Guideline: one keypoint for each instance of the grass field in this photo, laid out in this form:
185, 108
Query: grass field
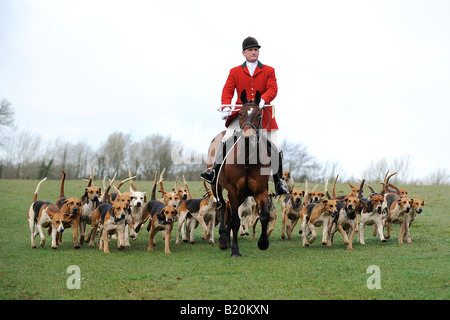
202, 271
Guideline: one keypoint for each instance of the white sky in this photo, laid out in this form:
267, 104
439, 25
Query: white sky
358, 80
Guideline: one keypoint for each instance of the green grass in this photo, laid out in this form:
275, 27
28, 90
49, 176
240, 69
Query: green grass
202, 271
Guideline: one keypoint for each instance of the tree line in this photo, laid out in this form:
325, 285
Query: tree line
25, 155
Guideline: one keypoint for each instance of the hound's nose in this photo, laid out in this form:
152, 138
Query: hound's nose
122, 216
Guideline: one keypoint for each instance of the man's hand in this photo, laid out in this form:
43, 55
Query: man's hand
261, 104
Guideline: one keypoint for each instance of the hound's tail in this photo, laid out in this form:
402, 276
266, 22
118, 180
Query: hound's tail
154, 185
326, 190
306, 193
37, 189
334, 187
360, 193
61, 189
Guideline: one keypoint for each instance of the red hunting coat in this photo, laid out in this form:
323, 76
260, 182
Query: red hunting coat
263, 80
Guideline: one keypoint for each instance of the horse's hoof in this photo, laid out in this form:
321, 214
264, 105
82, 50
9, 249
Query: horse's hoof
263, 244
236, 255
223, 246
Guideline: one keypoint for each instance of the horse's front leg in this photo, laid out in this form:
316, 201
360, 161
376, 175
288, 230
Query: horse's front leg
224, 232
264, 217
235, 224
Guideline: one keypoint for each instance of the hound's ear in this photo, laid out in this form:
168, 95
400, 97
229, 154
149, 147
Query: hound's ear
244, 97
363, 203
423, 203
257, 97
160, 215
324, 201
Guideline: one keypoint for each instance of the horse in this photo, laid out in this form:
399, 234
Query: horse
241, 174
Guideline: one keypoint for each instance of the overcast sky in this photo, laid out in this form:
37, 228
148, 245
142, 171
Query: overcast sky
358, 80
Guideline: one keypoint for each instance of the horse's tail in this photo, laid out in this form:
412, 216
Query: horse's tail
154, 185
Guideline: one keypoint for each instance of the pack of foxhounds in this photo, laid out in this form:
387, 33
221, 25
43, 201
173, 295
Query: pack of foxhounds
112, 213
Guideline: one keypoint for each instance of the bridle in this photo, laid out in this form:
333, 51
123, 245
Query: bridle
256, 128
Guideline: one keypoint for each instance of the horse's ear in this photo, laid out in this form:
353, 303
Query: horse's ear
257, 97
244, 97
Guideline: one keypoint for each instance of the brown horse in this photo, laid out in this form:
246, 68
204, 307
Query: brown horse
244, 173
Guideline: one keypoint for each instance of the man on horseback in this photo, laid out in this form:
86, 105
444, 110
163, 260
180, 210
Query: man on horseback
251, 76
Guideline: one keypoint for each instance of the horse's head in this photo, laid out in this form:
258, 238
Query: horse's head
250, 115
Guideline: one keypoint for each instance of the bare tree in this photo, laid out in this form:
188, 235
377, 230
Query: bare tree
376, 171
6, 113
438, 177
114, 150
155, 152
22, 151
6, 119
298, 162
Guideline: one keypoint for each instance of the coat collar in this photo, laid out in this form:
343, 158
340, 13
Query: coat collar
260, 65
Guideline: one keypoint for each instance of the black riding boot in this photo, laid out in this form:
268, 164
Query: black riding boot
210, 174
279, 186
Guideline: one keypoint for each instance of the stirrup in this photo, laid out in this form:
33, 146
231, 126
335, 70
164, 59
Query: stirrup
280, 189
208, 176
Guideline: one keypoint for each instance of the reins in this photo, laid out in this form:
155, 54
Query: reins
227, 108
